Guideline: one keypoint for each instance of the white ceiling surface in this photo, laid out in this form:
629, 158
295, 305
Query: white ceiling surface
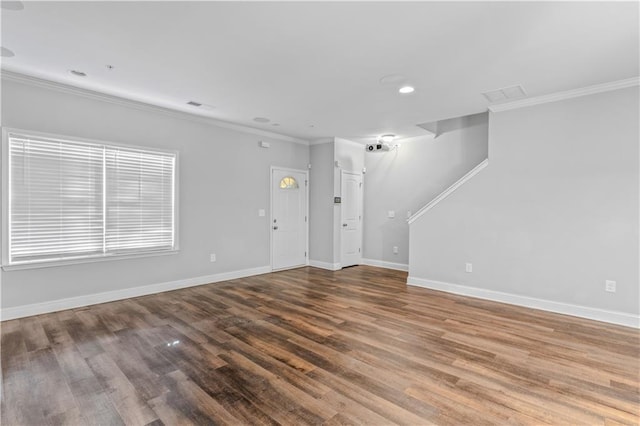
320, 64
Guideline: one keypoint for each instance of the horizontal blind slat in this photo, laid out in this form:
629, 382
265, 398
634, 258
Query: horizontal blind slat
57, 192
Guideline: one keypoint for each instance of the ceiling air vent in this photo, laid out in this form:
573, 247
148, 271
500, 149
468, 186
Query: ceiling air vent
195, 104
505, 94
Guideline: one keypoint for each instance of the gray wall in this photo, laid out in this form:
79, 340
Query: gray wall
350, 157
406, 179
223, 181
325, 179
321, 203
554, 214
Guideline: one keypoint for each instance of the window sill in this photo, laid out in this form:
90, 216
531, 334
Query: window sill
88, 259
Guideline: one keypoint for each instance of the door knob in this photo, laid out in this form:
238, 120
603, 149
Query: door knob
275, 227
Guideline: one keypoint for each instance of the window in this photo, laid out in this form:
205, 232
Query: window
72, 199
288, 183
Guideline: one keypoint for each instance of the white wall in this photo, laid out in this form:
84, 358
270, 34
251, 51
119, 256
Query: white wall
223, 181
405, 179
554, 214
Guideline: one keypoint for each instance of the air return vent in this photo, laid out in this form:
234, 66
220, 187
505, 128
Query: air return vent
505, 94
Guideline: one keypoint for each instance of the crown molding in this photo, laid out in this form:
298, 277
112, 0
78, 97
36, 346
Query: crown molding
321, 141
143, 106
568, 94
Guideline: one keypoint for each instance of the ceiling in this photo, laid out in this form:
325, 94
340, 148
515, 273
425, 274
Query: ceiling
315, 68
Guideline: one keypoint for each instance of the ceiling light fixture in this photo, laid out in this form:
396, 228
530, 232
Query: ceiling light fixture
78, 73
406, 89
6, 53
387, 138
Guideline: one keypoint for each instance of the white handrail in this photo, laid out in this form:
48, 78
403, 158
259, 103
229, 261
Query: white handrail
444, 194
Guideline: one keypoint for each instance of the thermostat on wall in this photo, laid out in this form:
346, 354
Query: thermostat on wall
337, 200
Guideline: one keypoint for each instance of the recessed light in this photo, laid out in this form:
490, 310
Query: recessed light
78, 73
406, 89
6, 53
387, 138
12, 5
261, 120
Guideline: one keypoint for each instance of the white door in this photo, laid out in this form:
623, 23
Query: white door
351, 232
288, 218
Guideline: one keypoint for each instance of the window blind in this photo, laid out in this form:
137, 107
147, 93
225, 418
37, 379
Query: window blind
139, 200
70, 199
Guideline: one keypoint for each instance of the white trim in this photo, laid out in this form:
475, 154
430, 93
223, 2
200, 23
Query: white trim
321, 141
271, 183
568, 94
444, 194
614, 317
110, 296
384, 264
144, 106
325, 265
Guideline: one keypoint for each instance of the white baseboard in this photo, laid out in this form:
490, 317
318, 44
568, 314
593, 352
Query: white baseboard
613, 317
385, 264
110, 296
325, 265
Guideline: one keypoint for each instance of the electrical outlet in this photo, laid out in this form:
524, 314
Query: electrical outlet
261, 213
610, 286
395, 249
212, 257
468, 267
391, 214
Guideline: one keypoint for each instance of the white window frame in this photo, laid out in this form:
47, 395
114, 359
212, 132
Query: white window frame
4, 161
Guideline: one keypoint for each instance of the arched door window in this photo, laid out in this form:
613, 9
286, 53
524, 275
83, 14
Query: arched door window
288, 182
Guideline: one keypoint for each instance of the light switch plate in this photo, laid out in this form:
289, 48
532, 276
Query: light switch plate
391, 214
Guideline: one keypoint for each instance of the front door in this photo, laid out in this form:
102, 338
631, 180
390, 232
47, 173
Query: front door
288, 218
351, 212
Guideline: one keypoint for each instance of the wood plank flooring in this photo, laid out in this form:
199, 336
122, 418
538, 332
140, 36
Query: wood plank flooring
310, 346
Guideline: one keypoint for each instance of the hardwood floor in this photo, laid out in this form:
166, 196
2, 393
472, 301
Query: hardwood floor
310, 346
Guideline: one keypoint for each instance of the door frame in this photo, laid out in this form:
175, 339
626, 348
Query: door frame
360, 202
306, 207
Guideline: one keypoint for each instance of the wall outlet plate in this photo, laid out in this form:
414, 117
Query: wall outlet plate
468, 267
391, 214
212, 257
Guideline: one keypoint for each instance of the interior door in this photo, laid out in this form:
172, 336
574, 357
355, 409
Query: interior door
288, 219
351, 212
